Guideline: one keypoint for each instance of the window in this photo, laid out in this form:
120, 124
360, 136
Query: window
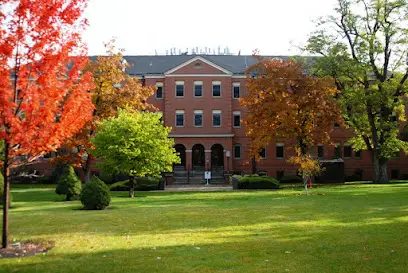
198, 118
237, 119
347, 151
216, 89
279, 150
262, 153
216, 118
179, 89
179, 118
337, 151
396, 154
236, 90
320, 151
198, 89
237, 151
159, 91
357, 154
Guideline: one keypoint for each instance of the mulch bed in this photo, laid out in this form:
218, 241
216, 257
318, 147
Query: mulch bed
25, 249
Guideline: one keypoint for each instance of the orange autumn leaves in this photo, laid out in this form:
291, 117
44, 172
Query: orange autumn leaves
284, 102
113, 89
44, 96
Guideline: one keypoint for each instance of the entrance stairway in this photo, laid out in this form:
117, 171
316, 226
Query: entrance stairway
196, 176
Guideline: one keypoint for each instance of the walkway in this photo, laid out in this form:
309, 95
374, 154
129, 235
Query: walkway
199, 187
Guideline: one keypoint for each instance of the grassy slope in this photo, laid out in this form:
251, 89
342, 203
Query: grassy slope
354, 228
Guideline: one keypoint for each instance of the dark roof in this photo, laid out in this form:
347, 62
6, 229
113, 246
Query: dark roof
142, 65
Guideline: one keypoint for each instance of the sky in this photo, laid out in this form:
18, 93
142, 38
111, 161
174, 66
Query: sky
144, 27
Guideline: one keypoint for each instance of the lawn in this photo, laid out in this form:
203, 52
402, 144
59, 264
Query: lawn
348, 228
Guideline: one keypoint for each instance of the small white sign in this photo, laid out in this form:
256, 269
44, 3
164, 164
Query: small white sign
207, 175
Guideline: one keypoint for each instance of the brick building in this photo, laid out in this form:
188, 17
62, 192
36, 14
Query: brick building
198, 97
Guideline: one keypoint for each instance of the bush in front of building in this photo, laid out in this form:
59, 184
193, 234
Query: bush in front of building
68, 183
2, 191
291, 179
95, 195
141, 184
254, 182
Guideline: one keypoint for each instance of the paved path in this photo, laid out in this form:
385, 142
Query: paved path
201, 187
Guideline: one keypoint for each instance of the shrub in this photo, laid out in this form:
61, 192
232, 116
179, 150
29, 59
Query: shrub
257, 182
2, 191
68, 183
293, 179
95, 195
57, 171
141, 184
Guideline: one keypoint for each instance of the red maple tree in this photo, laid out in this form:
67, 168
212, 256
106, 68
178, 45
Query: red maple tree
44, 95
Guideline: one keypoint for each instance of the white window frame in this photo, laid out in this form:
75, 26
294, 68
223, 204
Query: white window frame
212, 118
283, 147
175, 88
240, 151
234, 114
202, 118
212, 89
351, 151
198, 83
178, 112
236, 84
160, 84
317, 152
265, 153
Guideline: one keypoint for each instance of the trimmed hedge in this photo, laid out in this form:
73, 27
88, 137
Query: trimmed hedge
95, 195
2, 191
292, 179
256, 182
141, 184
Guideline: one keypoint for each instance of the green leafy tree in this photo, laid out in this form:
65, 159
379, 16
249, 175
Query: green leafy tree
69, 184
364, 48
136, 144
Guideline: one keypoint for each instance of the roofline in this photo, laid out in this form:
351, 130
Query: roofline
195, 59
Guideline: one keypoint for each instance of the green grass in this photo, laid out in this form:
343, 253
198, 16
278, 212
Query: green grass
347, 228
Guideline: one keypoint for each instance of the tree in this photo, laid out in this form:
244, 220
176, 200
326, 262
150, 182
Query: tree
69, 183
136, 144
114, 89
366, 56
44, 96
284, 102
95, 195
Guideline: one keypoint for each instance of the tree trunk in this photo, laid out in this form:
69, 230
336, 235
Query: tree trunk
253, 165
380, 169
87, 168
132, 187
305, 180
68, 197
6, 175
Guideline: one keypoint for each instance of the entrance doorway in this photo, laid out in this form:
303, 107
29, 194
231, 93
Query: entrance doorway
181, 150
217, 158
198, 157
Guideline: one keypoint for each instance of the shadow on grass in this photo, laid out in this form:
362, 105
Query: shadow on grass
349, 249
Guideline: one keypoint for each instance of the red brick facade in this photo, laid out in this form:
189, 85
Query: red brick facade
168, 70
202, 70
